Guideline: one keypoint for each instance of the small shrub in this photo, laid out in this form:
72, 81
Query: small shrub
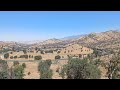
36, 48
11, 52
42, 52
24, 65
6, 55
57, 70
49, 62
57, 57
37, 57
24, 56
29, 73
11, 57
24, 51
58, 52
15, 57
29, 56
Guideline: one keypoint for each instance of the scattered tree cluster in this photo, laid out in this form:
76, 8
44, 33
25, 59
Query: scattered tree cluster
49, 51
24, 56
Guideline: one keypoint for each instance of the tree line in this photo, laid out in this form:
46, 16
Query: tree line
86, 68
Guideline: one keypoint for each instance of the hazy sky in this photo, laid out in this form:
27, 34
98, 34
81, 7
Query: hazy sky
40, 25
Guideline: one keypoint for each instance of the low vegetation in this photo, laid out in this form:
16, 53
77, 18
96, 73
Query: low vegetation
106, 55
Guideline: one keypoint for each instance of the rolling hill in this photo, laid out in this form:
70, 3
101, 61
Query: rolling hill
107, 39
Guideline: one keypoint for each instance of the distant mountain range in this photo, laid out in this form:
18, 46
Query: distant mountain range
30, 42
73, 37
49, 41
70, 37
107, 39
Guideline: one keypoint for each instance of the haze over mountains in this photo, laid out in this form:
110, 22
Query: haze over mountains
72, 37
87, 38
102, 39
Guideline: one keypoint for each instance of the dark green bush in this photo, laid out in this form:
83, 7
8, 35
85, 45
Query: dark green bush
37, 57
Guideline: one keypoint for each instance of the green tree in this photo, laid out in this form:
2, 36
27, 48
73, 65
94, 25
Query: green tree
97, 52
96, 62
15, 57
42, 52
36, 48
113, 67
11, 57
24, 65
80, 69
6, 56
90, 57
19, 72
44, 69
51, 51
24, 56
29, 56
13, 49
4, 71
4, 74
24, 51
37, 57
57, 57
49, 62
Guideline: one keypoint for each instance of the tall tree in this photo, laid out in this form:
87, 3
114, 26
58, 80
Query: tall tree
18, 71
44, 69
4, 70
113, 67
80, 69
